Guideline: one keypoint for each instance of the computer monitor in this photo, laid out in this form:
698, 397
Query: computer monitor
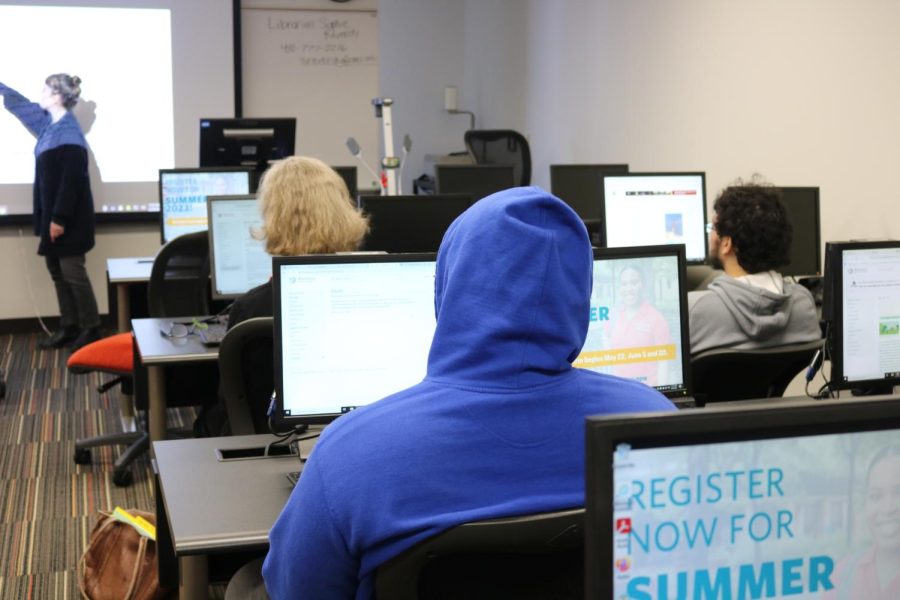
349, 329
348, 174
862, 311
410, 223
638, 326
183, 192
760, 500
642, 209
580, 186
802, 204
237, 255
251, 143
473, 180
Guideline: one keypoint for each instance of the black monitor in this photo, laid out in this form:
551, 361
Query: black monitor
410, 223
580, 186
760, 499
638, 326
253, 143
183, 193
237, 252
473, 180
802, 204
349, 330
862, 311
656, 208
348, 174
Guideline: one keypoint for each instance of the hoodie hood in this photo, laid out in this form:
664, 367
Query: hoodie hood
759, 313
512, 292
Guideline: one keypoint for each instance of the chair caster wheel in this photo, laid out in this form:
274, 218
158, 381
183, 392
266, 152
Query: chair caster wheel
82, 456
122, 478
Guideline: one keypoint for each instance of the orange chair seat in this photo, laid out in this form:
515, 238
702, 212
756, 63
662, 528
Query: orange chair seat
113, 354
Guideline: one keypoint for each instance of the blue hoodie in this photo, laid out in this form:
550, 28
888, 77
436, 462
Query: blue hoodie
495, 429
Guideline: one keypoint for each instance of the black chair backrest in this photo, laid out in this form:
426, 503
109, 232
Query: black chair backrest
525, 557
726, 374
179, 279
247, 374
501, 147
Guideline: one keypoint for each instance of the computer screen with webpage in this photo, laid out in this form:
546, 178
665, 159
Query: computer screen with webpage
781, 501
183, 192
349, 330
237, 254
638, 317
867, 315
641, 209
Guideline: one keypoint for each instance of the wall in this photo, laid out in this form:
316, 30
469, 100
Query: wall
422, 50
804, 92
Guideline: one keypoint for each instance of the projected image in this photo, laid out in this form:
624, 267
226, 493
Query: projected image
634, 329
808, 517
124, 59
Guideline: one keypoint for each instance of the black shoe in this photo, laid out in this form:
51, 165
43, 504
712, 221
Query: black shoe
60, 338
86, 337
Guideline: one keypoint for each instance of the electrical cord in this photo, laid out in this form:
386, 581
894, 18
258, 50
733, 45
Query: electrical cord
28, 283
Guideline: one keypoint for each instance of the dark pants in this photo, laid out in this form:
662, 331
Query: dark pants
77, 305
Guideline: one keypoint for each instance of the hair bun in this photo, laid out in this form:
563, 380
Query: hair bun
76, 80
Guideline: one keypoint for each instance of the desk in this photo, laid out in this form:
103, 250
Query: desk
205, 506
155, 352
121, 273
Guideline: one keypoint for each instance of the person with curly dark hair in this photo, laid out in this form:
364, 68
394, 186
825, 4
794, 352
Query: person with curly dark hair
751, 305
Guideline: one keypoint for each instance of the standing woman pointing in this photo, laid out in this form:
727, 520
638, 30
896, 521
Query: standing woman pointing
63, 214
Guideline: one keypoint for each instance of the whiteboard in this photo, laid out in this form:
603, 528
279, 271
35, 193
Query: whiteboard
320, 66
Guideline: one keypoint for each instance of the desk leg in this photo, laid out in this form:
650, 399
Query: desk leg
194, 578
156, 389
123, 312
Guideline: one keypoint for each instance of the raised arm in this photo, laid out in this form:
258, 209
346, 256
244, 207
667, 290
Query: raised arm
32, 116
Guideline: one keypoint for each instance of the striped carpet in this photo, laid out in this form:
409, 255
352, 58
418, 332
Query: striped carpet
48, 504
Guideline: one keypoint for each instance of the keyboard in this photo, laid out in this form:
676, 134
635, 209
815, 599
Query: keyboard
213, 334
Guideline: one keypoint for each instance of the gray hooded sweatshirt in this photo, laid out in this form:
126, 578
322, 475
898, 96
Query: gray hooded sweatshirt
734, 314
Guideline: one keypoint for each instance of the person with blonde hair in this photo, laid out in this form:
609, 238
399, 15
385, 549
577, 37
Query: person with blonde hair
306, 209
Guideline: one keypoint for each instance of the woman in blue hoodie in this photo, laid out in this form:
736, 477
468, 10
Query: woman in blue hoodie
496, 427
63, 210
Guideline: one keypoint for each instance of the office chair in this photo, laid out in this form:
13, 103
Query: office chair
175, 289
531, 556
245, 384
501, 147
727, 374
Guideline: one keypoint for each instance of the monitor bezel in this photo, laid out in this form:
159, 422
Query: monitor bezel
216, 294
438, 169
278, 419
631, 174
161, 218
787, 269
734, 422
366, 201
678, 251
834, 287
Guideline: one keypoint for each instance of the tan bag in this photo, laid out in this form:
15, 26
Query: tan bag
119, 563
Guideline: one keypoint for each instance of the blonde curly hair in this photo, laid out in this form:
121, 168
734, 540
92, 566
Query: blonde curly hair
307, 209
